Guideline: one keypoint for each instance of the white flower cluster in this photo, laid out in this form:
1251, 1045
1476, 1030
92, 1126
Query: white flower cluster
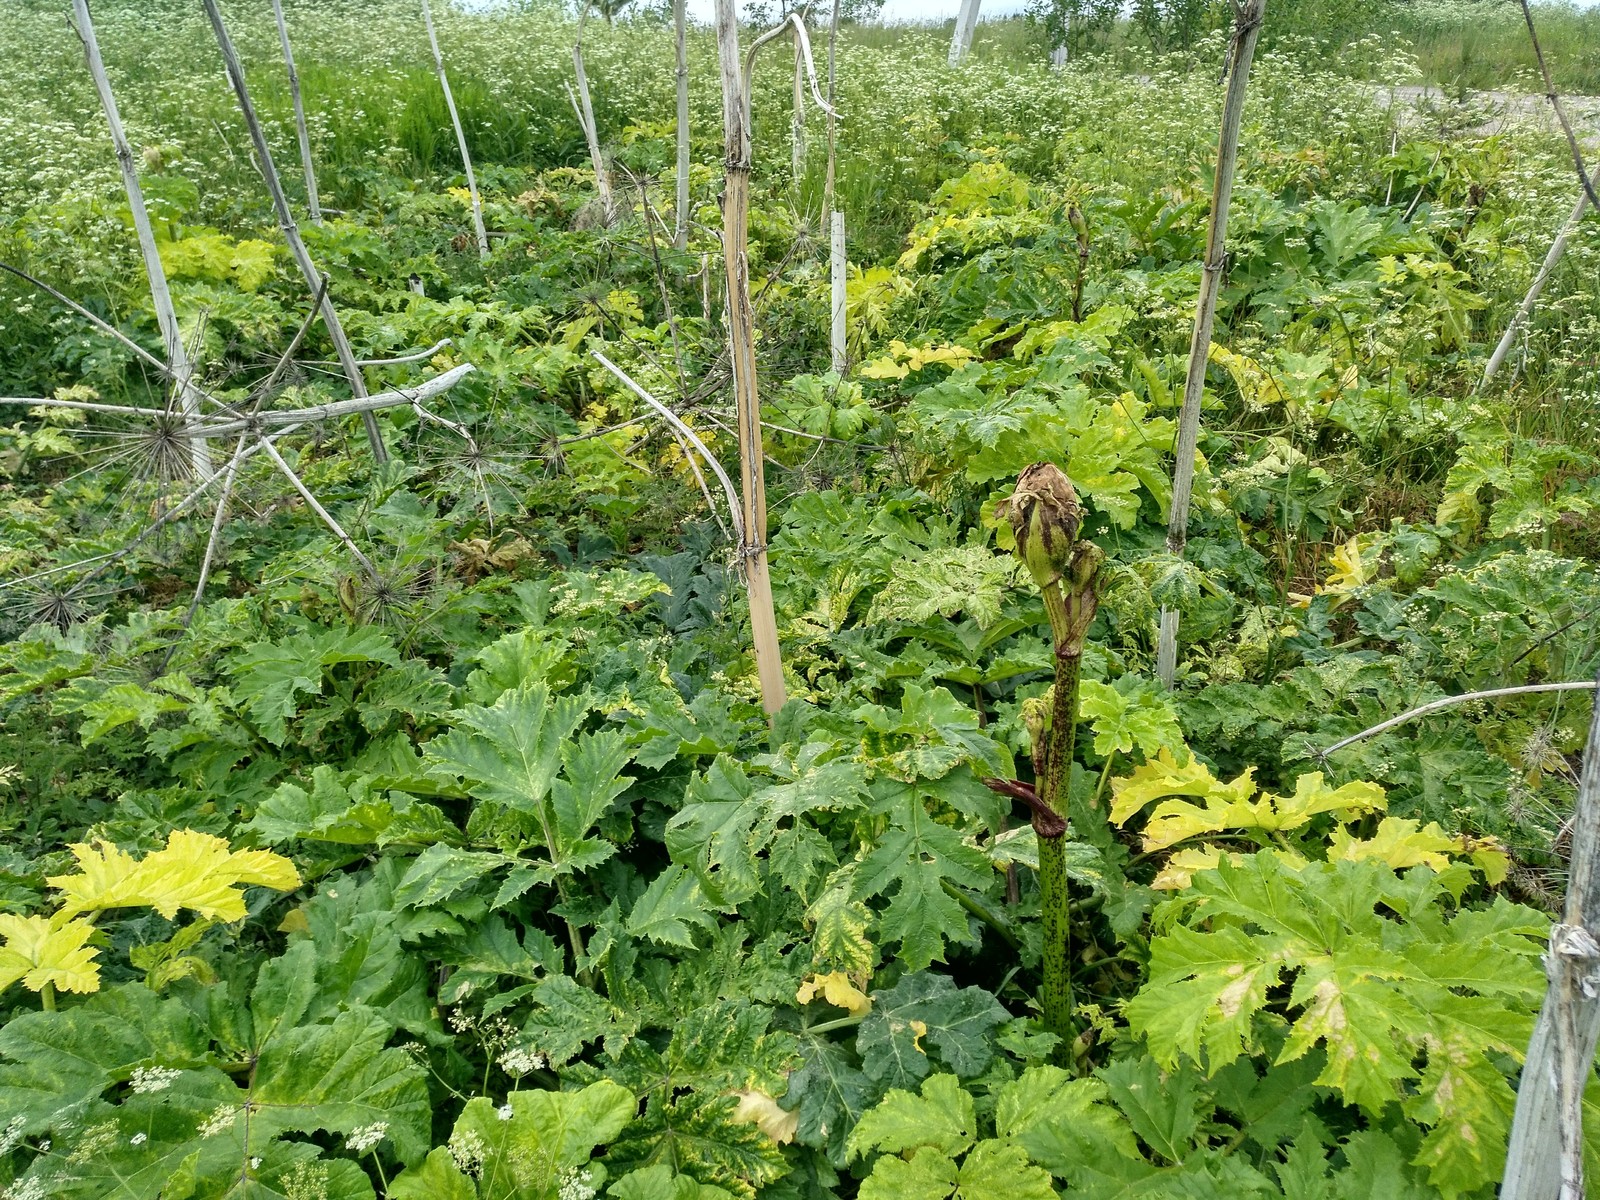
466, 1151
31, 1188
577, 1185
153, 1079
11, 1136
221, 1118
519, 1061
364, 1137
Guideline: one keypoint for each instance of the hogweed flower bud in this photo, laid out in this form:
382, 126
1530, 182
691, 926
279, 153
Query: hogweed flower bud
1045, 517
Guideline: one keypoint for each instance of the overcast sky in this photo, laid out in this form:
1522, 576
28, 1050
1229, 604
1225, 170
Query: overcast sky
902, 10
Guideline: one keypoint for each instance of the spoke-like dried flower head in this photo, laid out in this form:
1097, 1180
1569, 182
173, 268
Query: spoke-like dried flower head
1045, 517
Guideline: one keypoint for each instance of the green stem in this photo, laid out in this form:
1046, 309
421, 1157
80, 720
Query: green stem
983, 912
838, 1023
47, 997
1055, 899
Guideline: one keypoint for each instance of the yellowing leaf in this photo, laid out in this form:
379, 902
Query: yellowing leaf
194, 871
1400, 844
836, 988
1229, 806
39, 951
761, 1110
902, 359
1163, 775
1180, 868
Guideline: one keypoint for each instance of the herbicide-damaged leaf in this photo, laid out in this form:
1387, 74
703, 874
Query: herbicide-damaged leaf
1400, 843
1229, 806
41, 952
1406, 1011
837, 990
761, 1110
194, 871
839, 925
926, 1012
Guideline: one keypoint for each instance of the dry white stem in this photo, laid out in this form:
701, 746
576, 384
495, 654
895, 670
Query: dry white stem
316, 506
685, 431
461, 135
1247, 29
839, 271
1544, 1155
412, 357
585, 110
291, 229
1551, 260
182, 369
833, 115
742, 353
127, 410
680, 236
343, 408
302, 133
966, 25
1434, 706
104, 327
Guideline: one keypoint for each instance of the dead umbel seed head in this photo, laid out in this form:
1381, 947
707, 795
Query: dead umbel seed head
1045, 517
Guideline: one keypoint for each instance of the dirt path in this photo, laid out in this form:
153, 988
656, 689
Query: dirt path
1489, 112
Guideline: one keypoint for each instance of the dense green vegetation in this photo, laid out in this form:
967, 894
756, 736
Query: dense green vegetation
482, 874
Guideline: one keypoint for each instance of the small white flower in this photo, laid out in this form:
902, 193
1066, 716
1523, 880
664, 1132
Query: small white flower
255, 1163
504, 1111
365, 1137
153, 1079
11, 1136
466, 1150
137, 1139
219, 1120
577, 1185
519, 1061
25, 1189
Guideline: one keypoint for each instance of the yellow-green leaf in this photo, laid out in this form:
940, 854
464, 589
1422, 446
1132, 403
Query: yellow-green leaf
39, 951
194, 871
1401, 843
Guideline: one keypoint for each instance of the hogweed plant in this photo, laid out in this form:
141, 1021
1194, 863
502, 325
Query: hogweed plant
1046, 518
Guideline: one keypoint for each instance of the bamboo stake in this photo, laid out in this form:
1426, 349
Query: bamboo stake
160, 295
741, 331
1247, 29
313, 203
1545, 1156
1525, 309
585, 111
461, 134
291, 230
966, 24
680, 235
